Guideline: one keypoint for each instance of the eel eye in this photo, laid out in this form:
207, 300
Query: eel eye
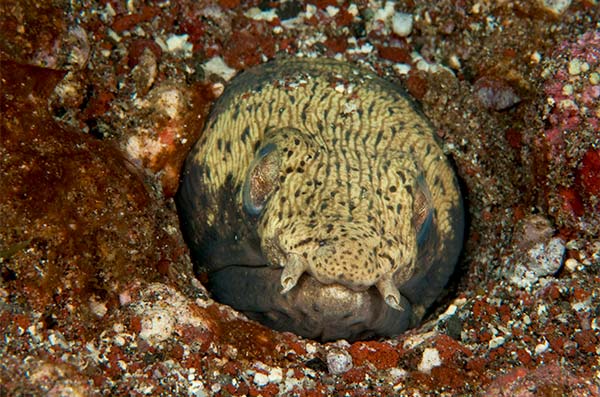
261, 180
422, 210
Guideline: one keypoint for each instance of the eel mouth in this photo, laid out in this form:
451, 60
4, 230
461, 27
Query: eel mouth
296, 267
311, 309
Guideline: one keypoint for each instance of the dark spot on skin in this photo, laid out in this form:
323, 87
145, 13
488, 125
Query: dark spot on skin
228, 147
236, 112
379, 137
401, 175
245, 134
220, 144
303, 242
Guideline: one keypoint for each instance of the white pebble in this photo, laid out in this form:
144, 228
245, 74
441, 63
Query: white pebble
157, 325
338, 361
542, 347
430, 360
332, 11
556, 7
542, 260
179, 43
258, 15
98, 308
402, 24
260, 379
275, 375
572, 265
217, 65
496, 342
574, 67
401, 68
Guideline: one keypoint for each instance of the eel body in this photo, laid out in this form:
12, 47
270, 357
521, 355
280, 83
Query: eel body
319, 202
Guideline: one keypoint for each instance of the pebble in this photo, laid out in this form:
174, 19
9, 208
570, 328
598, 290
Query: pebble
430, 360
157, 325
260, 379
496, 94
338, 361
556, 7
542, 347
543, 259
574, 67
402, 24
496, 342
217, 65
276, 375
572, 265
179, 43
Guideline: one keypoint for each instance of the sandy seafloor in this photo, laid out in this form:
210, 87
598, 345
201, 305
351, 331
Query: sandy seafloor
101, 101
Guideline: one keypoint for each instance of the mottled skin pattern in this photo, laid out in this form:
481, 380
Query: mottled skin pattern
319, 202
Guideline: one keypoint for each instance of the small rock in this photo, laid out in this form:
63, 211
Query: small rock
179, 43
534, 229
430, 360
496, 342
402, 24
157, 325
555, 7
275, 375
574, 67
572, 265
261, 379
544, 259
217, 66
542, 347
495, 94
338, 361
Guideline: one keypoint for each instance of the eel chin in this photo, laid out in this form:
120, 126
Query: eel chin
311, 309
